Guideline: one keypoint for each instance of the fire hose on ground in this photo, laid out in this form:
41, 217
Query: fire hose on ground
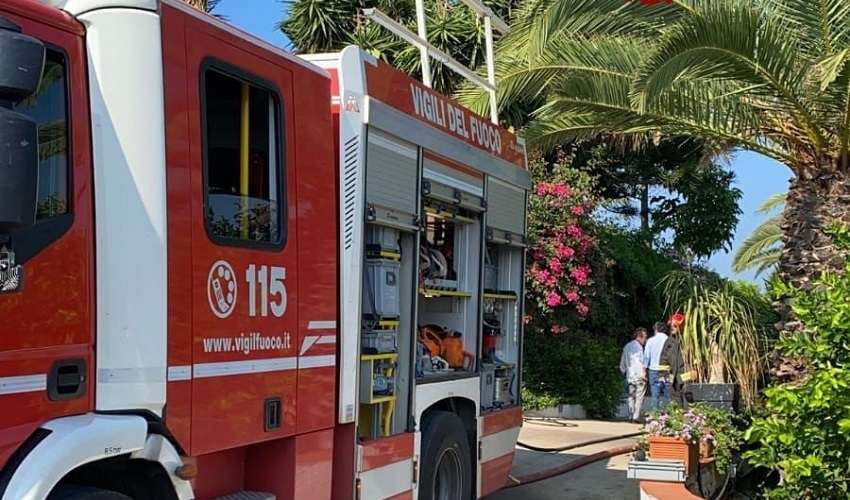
574, 464
589, 459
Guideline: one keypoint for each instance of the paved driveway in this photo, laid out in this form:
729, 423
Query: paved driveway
602, 480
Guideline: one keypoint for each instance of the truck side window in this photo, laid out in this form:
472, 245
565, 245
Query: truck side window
48, 107
242, 161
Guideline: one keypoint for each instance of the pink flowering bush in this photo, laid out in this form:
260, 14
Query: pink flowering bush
561, 275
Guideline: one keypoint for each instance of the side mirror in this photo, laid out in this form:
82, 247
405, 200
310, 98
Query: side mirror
21, 66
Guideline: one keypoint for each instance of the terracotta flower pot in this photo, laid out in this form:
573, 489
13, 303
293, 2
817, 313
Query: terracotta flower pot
670, 448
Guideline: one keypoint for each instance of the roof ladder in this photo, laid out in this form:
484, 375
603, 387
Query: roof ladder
428, 51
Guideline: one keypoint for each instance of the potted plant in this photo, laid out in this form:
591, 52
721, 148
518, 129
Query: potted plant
699, 432
721, 436
674, 434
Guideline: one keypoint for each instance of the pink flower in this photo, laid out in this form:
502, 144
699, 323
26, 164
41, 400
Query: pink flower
526, 319
580, 275
543, 276
577, 210
584, 245
555, 265
560, 189
565, 252
543, 188
553, 299
572, 296
538, 254
583, 310
574, 231
556, 329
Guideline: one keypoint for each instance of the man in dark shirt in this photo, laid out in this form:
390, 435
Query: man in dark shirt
672, 357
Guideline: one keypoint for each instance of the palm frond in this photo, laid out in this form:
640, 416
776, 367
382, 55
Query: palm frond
772, 202
759, 249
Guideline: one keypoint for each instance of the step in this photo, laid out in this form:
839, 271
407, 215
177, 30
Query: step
248, 495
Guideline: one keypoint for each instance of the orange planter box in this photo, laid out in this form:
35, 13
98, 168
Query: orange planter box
670, 448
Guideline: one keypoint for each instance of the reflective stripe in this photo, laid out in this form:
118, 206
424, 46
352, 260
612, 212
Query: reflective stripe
23, 383
203, 370
387, 481
228, 368
311, 340
179, 373
499, 444
321, 325
317, 361
132, 375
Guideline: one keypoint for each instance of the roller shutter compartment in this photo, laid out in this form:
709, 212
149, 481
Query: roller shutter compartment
391, 178
505, 210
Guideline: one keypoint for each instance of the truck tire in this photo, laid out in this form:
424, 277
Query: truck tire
446, 460
75, 492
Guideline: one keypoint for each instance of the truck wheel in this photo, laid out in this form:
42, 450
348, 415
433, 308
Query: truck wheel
446, 461
75, 492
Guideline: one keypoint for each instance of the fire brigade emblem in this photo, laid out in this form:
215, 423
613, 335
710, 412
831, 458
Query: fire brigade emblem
351, 105
221, 289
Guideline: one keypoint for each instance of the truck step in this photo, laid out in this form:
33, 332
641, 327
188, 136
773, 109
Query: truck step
248, 495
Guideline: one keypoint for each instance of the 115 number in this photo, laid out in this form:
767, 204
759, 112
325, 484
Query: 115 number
272, 290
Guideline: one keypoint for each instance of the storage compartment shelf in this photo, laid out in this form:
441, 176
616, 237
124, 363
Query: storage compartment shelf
372, 366
444, 214
383, 254
444, 376
383, 399
428, 292
376, 410
501, 296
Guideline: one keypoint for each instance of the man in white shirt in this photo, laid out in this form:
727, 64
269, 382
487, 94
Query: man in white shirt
633, 367
659, 393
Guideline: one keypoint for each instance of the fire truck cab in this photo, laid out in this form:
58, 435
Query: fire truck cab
230, 272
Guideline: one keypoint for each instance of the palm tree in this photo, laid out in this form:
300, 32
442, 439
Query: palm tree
769, 76
207, 6
761, 249
204, 5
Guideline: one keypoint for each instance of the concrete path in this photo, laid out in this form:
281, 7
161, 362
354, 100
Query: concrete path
602, 480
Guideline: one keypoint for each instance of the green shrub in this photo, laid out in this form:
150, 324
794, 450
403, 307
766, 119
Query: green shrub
805, 433
572, 368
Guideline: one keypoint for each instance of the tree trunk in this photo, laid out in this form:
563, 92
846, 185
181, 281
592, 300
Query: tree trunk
644, 208
644, 214
812, 205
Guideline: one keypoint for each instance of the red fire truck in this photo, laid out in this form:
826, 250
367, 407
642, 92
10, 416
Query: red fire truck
230, 272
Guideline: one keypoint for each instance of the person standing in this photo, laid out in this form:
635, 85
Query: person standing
659, 393
634, 369
671, 356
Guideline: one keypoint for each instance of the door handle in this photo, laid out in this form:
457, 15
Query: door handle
67, 379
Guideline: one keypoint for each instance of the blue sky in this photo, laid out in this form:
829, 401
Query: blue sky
758, 177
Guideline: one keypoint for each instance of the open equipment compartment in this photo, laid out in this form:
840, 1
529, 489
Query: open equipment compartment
389, 248
504, 262
449, 270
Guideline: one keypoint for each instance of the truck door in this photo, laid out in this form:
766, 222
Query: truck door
46, 312
244, 250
